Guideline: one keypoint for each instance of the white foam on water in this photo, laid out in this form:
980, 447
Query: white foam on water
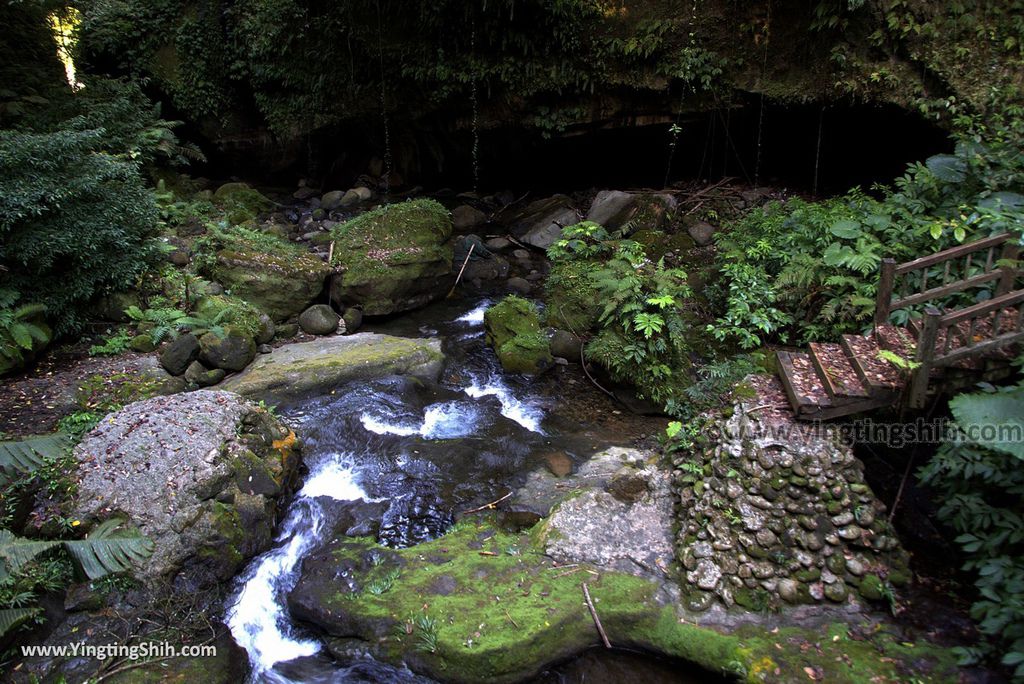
475, 316
335, 480
257, 618
382, 427
449, 420
445, 420
521, 412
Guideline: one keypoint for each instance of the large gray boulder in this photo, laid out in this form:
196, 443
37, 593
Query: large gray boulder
297, 371
631, 211
540, 223
201, 474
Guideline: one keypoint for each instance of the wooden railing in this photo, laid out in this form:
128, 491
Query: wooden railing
990, 270
947, 338
979, 329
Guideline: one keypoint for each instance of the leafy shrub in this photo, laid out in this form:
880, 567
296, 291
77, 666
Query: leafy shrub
75, 219
802, 271
979, 483
112, 345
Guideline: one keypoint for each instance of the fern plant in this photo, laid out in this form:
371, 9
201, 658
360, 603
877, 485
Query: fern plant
108, 549
28, 455
22, 330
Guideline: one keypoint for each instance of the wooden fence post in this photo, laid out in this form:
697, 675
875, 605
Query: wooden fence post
918, 393
886, 279
1010, 252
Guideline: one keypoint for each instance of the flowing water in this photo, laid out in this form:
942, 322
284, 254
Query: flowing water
410, 455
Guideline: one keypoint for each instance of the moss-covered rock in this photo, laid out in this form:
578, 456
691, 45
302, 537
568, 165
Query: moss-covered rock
480, 604
297, 371
176, 457
630, 212
281, 284
395, 258
232, 351
514, 332
241, 202
571, 298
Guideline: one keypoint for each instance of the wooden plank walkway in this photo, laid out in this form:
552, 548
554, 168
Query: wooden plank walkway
942, 350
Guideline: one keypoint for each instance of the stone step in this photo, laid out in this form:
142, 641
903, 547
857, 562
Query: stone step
836, 373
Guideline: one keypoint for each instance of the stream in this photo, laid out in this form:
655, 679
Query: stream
410, 455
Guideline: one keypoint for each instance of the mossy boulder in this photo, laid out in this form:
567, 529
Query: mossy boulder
241, 202
482, 604
227, 310
232, 351
297, 371
319, 319
513, 331
280, 284
394, 258
572, 302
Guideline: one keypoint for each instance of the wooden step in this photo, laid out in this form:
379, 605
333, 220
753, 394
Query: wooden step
880, 377
809, 397
836, 373
896, 340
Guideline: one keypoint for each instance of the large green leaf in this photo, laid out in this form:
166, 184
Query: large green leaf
16, 552
947, 168
846, 229
26, 455
109, 549
13, 617
1003, 200
995, 421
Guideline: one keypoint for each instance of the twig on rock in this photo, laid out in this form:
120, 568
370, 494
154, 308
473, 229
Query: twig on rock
593, 613
487, 506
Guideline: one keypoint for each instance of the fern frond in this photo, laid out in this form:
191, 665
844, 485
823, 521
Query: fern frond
11, 618
15, 552
27, 455
107, 549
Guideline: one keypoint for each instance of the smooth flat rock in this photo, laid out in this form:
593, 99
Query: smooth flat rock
297, 371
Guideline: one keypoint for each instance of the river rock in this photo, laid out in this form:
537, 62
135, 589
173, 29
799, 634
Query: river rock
298, 371
279, 284
566, 345
497, 244
630, 533
630, 212
540, 223
179, 353
319, 319
200, 474
395, 258
232, 352
513, 330
201, 376
331, 200
353, 318
465, 217
702, 232
519, 285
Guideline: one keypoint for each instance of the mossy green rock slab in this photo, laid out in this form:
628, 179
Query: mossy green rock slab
483, 605
298, 371
395, 258
282, 285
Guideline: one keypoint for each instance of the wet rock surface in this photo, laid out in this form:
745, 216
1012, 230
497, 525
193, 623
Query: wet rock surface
302, 369
201, 474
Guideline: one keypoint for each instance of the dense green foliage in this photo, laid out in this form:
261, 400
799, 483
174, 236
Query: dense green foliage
979, 482
642, 332
803, 271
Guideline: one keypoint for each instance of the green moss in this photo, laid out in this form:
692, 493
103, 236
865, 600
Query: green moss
240, 202
232, 535
507, 609
571, 299
513, 330
228, 310
871, 588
